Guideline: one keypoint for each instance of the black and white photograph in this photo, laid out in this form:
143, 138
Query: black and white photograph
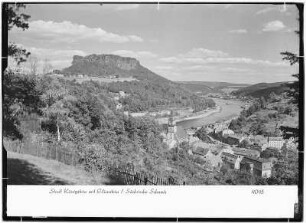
153, 94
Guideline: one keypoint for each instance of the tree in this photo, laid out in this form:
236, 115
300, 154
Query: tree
293, 59
263, 102
203, 135
294, 90
18, 92
19, 96
15, 18
53, 105
245, 143
18, 53
19, 20
47, 67
33, 65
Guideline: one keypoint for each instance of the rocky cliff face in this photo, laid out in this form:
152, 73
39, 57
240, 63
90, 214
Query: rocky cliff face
105, 65
123, 63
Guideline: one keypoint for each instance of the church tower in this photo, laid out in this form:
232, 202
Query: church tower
171, 126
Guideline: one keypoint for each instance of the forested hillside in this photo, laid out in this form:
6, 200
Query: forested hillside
150, 92
206, 87
266, 116
262, 89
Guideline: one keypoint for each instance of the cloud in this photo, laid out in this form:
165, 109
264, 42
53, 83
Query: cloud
281, 8
216, 65
273, 26
58, 58
235, 69
238, 31
135, 54
54, 53
163, 67
69, 32
266, 10
201, 56
122, 7
203, 53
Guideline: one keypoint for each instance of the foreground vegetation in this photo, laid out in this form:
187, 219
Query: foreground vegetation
47, 111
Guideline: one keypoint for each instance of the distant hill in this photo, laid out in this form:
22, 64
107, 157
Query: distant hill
261, 89
150, 91
206, 87
107, 64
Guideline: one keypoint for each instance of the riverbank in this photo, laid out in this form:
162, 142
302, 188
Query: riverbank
199, 115
191, 116
228, 109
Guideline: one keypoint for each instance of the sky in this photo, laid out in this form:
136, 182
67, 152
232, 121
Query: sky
239, 43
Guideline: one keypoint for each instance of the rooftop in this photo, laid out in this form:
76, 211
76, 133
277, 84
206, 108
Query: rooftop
259, 160
230, 155
201, 151
275, 139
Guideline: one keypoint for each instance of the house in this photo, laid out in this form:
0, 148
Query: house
234, 139
215, 160
227, 150
165, 112
201, 151
191, 137
208, 156
275, 142
257, 166
246, 152
227, 132
218, 127
232, 160
138, 114
199, 144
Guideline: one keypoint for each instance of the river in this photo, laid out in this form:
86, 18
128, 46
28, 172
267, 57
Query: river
229, 109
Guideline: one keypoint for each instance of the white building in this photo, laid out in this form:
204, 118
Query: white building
227, 132
276, 142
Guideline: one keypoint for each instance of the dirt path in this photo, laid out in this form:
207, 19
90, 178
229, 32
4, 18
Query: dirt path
25, 169
21, 172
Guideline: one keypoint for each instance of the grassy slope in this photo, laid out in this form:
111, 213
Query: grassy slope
59, 170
